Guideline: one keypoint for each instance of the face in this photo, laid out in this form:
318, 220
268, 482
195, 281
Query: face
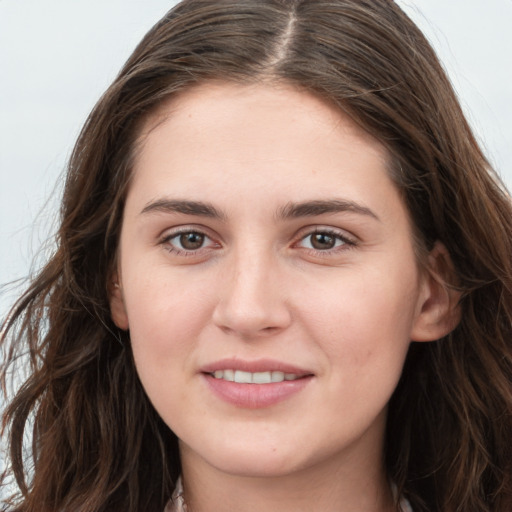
268, 279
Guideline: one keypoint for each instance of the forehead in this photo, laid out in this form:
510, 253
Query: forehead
228, 142
283, 108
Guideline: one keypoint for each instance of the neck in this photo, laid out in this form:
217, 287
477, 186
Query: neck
331, 487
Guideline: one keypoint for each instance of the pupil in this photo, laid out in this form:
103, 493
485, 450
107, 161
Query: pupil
322, 241
191, 241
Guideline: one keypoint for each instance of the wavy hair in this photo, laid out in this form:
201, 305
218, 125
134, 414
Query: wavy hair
97, 443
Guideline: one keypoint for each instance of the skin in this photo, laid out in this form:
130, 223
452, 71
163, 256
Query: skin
259, 284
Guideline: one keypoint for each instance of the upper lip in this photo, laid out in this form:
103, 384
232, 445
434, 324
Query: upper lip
259, 365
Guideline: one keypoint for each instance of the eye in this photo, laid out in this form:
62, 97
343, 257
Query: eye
325, 240
187, 242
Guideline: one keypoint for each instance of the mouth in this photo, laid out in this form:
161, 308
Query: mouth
243, 377
261, 371
255, 384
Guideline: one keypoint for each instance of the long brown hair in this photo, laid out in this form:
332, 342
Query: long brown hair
97, 443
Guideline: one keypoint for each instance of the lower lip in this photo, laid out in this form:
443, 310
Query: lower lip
255, 396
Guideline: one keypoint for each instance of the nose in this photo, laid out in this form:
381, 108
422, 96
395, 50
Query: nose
252, 300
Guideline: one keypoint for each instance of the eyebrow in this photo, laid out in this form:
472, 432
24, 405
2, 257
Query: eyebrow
198, 208
321, 207
289, 211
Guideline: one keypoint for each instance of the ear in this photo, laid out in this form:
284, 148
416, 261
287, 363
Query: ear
117, 306
438, 310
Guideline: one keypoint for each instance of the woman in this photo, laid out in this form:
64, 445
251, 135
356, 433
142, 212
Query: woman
271, 201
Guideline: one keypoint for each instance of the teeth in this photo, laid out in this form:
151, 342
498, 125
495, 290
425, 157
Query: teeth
242, 377
278, 376
261, 378
229, 375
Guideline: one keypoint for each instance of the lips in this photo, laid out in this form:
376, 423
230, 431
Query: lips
254, 384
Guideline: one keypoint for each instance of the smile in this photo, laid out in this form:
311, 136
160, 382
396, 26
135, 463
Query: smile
242, 377
255, 384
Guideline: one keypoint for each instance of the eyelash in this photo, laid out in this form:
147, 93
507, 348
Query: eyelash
166, 242
346, 242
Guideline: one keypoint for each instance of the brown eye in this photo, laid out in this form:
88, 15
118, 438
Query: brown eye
322, 241
325, 241
191, 241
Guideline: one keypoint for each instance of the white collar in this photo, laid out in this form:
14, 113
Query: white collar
177, 502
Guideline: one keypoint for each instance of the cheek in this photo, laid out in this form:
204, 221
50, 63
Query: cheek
363, 318
165, 317
363, 336
164, 327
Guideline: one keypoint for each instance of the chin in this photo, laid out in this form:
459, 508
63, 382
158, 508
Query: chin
253, 460
256, 467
